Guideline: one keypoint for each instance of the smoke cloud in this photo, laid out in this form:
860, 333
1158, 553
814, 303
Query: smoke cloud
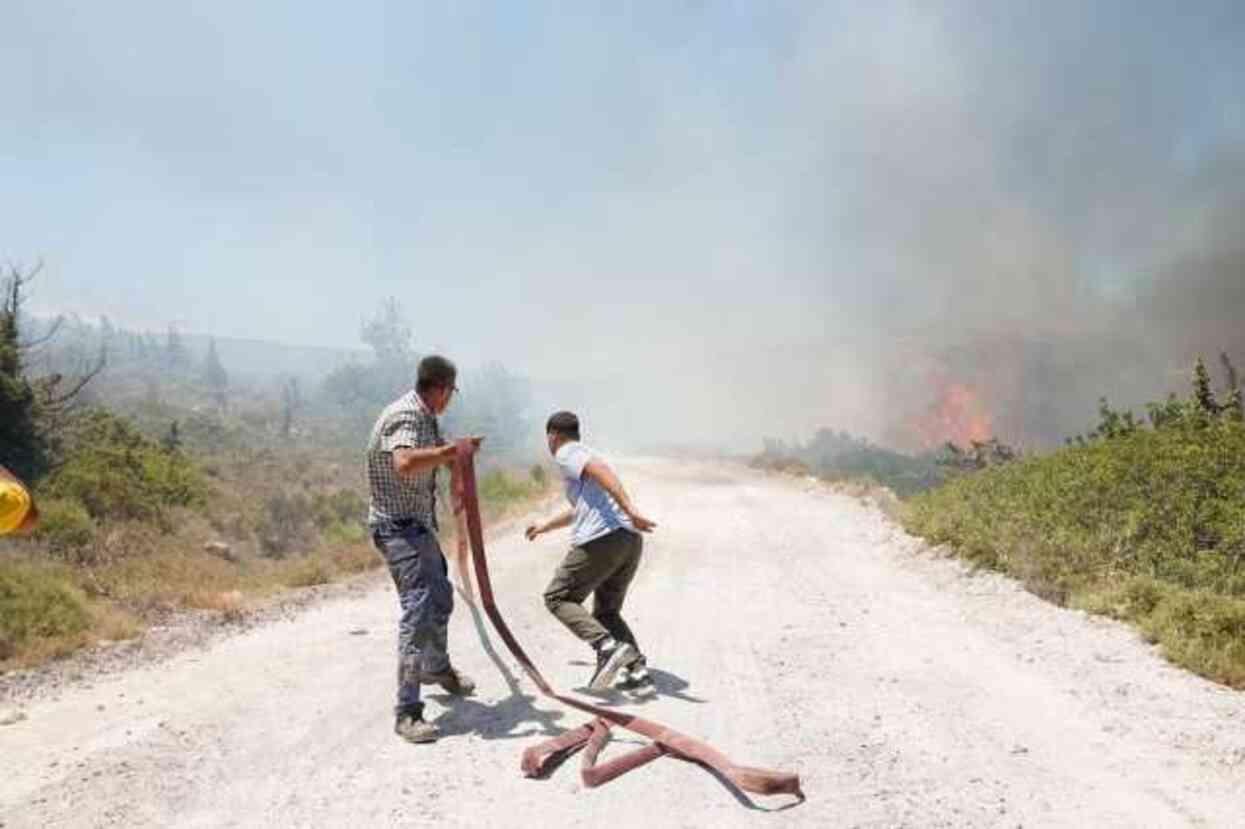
696, 226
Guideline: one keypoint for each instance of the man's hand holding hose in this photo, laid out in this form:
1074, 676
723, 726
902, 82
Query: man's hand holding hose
462, 563
411, 463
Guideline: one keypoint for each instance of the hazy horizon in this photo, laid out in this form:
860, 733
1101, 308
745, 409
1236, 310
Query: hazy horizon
697, 224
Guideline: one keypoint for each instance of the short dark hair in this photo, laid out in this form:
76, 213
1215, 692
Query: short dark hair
565, 424
435, 372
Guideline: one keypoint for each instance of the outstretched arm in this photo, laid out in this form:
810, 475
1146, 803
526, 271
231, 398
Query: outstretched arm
562, 519
608, 481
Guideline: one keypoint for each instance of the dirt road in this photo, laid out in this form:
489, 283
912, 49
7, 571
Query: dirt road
791, 627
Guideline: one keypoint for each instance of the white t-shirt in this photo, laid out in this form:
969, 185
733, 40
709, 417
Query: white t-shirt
596, 512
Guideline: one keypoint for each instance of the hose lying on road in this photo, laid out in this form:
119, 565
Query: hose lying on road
594, 735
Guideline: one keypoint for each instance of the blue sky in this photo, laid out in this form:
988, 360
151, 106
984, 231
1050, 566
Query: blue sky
592, 190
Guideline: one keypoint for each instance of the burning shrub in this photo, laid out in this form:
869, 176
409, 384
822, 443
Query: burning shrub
957, 416
1131, 506
979, 455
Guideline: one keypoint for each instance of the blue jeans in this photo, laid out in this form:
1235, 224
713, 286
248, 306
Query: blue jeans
421, 576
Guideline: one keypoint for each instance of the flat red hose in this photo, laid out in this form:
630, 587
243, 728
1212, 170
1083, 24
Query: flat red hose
594, 735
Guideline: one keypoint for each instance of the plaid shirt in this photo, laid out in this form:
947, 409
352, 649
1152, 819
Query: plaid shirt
406, 422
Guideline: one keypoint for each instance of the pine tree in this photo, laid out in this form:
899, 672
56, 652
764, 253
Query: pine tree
214, 374
1203, 394
23, 449
107, 335
173, 438
175, 355
292, 400
1235, 407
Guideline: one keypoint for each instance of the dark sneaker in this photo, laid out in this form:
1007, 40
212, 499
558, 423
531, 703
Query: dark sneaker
610, 660
412, 728
452, 680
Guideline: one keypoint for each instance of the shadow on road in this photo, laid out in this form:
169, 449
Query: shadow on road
505, 719
502, 720
741, 796
665, 684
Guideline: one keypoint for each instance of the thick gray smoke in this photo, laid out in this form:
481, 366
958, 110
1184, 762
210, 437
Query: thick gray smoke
1000, 213
696, 224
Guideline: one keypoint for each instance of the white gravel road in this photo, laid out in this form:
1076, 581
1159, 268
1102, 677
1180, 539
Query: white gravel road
789, 626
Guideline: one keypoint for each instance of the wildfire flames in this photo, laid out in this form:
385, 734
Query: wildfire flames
959, 416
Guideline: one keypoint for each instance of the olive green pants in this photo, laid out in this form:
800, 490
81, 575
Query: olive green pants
603, 567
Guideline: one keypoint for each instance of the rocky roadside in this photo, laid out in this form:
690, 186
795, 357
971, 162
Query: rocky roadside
178, 632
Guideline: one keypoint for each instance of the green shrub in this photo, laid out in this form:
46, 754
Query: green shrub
37, 602
1202, 631
345, 532
1166, 503
344, 506
118, 474
64, 525
539, 476
1145, 523
499, 487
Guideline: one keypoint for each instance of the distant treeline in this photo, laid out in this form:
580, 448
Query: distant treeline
165, 483
158, 380
839, 456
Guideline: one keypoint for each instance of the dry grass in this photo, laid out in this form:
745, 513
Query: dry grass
44, 613
307, 573
134, 572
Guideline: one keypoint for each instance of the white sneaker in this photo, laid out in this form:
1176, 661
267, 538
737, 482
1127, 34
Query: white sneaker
610, 659
635, 677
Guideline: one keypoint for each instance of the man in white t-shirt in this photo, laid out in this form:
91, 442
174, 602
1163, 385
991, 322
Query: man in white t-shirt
604, 556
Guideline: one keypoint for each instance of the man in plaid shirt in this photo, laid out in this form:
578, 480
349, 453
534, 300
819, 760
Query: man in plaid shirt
405, 450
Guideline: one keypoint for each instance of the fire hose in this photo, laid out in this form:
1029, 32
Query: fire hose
592, 737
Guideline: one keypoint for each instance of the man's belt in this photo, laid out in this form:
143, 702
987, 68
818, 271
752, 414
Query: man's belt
593, 736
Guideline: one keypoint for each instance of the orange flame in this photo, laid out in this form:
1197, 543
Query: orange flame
958, 416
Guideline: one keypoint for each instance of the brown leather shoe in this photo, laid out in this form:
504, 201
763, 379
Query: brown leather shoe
452, 680
413, 729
